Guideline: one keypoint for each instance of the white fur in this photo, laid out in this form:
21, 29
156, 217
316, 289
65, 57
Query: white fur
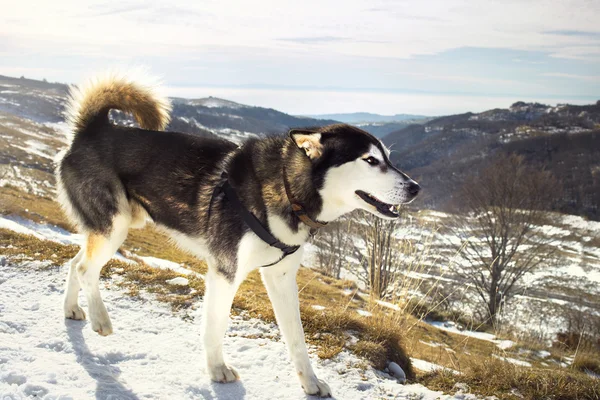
87, 270
215, 318
339, 193
280, 281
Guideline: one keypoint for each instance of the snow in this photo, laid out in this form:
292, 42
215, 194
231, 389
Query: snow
427, 366
154, 353
388, 305
166, 264
233, 135
18, 228
580, 223
551, 230
514, 361
397, 372
364, 313
40, 231
488, 337
505, 344
432, 344
179, 281
543, 354
451, 327
215, 102
63, 128
36, 148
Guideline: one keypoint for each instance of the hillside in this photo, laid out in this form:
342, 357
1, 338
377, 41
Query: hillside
44, 102
564, 139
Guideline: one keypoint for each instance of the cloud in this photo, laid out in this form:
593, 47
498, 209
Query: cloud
518, 60
590, 34
118, 10
591, 78
314, 39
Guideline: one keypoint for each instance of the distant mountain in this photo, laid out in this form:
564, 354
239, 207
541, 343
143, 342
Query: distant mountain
232, 120
45, 102
381, 129
565, 139
376, 124
365, 117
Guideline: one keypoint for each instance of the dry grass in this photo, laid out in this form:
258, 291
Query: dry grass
585, 361
36, 208
506, 381
136, 277
25, 247
380, 336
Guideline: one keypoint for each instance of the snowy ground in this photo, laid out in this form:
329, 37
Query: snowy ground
153, 354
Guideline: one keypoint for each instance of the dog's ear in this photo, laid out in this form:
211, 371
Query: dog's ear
309, 141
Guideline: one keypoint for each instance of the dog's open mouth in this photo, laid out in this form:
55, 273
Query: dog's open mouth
389, 210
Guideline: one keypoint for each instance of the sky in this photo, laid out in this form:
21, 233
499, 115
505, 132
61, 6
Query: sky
430, 57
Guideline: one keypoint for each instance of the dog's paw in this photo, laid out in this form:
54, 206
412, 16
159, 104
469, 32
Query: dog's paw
74, 312
102, 325
316, 387
223, 374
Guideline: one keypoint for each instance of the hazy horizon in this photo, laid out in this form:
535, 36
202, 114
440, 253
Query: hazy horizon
310, 101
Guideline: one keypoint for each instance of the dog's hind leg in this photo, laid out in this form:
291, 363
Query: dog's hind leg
280, 281
217, 305
98, 250
71, 305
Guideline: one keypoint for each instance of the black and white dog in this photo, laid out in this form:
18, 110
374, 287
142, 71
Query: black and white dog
114, 178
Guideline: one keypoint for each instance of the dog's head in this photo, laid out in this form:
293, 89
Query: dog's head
351, 170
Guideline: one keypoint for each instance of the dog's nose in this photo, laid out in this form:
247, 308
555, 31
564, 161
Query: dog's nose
413, 188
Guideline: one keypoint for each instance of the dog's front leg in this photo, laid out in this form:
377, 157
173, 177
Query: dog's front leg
217, 305
280, 281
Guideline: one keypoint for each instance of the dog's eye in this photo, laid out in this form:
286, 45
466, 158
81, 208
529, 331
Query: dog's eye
371, 160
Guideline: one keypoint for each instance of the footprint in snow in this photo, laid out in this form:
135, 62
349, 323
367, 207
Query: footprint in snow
14, 379
35, 391
244, 348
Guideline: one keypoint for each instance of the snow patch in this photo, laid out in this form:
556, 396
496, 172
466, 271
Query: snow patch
427, 366
179, 281
514, 361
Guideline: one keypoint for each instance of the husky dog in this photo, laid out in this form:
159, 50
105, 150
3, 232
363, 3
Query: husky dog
114, 178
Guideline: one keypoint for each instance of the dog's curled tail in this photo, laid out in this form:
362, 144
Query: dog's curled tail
92, 102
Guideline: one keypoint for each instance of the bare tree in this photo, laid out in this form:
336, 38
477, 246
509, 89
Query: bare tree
380, 256
498, 228
333, 244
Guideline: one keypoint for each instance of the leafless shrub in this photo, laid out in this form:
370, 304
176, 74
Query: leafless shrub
333, 244
380, 255
500, 209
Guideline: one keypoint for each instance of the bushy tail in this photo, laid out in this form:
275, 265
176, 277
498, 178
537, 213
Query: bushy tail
93, 101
